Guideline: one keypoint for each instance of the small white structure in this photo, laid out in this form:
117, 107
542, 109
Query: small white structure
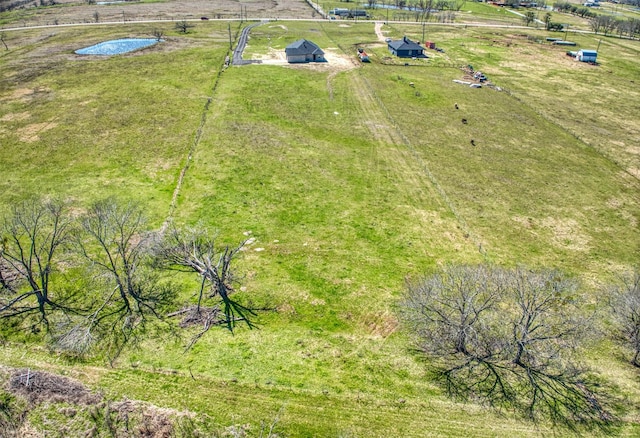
586, 55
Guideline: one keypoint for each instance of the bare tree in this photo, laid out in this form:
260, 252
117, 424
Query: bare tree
507, 338
115, 243
194, 250
3, 38
528, 17
625, 306
158, 34
183, 26
31, 237
603, 23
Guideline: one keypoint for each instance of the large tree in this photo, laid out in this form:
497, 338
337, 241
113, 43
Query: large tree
194, 250
506, 338
30, 240
625, 306
124, 289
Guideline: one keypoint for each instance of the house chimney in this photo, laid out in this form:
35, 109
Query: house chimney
405, 39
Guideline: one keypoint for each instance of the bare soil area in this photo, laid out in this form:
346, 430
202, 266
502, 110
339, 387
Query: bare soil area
74, 11
335, 61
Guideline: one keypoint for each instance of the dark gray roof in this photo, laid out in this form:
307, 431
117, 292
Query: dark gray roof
303, 47
405, 44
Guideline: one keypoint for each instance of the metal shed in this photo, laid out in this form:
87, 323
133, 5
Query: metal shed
587, 55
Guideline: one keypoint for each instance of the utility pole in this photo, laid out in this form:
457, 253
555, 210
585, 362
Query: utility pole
230, 43
423, 31
598, 49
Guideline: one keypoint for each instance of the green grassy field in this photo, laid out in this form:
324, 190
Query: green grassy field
351, 181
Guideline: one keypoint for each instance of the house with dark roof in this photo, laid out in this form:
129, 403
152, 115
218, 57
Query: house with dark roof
405, 48
304, 51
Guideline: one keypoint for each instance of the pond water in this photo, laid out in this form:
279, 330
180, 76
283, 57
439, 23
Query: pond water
116, 47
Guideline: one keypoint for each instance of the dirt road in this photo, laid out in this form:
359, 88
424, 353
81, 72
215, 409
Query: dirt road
378, 28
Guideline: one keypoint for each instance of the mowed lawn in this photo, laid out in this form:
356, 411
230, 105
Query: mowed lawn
351, 181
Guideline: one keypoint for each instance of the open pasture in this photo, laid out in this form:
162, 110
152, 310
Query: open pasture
351, 180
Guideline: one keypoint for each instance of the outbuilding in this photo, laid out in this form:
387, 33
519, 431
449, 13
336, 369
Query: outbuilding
304, 51
587, 55
405, 48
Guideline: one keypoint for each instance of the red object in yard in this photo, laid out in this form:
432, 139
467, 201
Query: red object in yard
430, 44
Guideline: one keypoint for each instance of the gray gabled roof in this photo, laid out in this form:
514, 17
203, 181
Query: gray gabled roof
404, 44
303, 47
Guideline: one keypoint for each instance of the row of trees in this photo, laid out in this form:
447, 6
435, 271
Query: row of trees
608, 24
513, 339
422, 10
600, 23
95, 278
573, 8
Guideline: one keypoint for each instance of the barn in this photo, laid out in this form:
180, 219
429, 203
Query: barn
405, 48
304, 51
587, 55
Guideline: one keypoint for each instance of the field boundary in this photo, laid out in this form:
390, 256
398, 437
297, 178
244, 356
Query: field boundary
196, 141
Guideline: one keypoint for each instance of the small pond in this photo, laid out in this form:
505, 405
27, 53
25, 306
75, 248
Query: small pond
116, 47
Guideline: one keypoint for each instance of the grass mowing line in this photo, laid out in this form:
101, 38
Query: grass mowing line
371, 95
406, 142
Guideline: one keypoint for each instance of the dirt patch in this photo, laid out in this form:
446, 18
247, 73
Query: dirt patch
381, 324
567, 234
202, 316
15, 117
335, 61
634, 150
30, 133
40, 386
526, 222
21, 93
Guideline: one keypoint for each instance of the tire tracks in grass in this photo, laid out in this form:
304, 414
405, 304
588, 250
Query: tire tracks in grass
387, 131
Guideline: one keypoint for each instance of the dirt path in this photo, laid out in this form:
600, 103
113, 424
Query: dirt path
378, 28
